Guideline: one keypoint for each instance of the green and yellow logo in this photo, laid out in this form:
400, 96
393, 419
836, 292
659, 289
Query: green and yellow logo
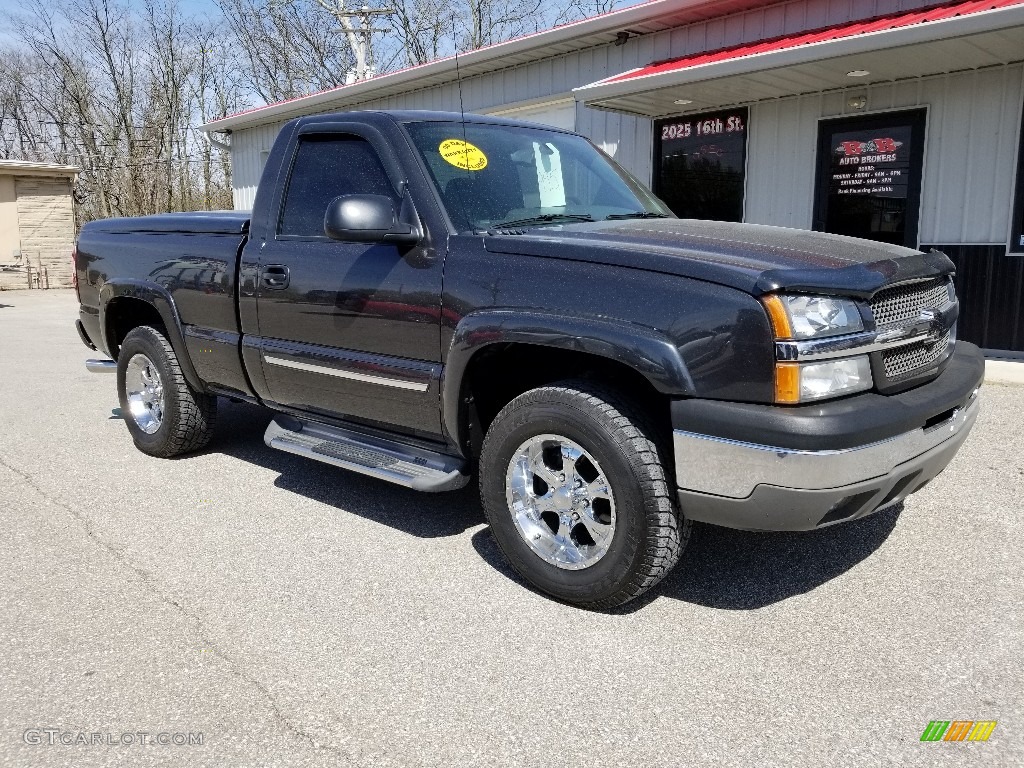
958, 730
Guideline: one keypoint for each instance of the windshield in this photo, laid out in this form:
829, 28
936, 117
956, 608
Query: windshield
501, 175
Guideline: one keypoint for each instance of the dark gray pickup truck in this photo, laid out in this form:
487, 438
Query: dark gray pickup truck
419, 299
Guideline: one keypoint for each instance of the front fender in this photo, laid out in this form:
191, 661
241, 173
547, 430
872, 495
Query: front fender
160, 299
645, 350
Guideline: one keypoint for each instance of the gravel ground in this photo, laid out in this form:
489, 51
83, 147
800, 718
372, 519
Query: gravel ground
295, 614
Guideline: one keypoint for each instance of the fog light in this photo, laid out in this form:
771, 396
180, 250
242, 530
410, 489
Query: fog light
804, 382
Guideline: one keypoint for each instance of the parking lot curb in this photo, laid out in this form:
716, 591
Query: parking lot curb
1004, 372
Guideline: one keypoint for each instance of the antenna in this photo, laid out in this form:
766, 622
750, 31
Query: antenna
458, 80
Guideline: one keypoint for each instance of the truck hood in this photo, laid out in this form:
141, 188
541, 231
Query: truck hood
753, 258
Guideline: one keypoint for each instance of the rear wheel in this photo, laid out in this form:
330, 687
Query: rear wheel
165, 416
577, 497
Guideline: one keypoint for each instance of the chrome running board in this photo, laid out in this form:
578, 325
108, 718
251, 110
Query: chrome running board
415, 468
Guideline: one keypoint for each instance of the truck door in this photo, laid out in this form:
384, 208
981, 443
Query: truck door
350, 330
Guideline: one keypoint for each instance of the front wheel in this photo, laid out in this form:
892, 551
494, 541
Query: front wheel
165, 416
577, 497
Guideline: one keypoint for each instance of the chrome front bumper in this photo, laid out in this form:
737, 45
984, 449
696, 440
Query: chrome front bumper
745, 485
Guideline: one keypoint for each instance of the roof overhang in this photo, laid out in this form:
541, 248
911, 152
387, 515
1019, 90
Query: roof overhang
30, 168
948, 38
637, 20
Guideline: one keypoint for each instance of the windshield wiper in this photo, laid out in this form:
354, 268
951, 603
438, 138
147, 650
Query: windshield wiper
544, 218
637, 215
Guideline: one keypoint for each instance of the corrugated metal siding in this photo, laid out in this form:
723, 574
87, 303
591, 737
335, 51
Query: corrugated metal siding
781, 148
561, 114
973, 125
990, 286
627, 138
247, 162
975, 122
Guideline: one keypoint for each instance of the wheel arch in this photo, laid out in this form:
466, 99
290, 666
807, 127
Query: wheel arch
127, 304
639, 359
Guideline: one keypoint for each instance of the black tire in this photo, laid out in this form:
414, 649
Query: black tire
650, 533
188, 416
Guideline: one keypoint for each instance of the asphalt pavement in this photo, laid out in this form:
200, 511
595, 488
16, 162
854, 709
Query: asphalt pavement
286, 613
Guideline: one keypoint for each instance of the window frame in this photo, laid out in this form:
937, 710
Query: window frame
327, 131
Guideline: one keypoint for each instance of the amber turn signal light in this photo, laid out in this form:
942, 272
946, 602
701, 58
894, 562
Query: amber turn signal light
779, 317
787, 383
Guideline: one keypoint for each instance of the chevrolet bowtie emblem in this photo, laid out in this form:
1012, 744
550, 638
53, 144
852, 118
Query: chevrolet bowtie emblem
930, 322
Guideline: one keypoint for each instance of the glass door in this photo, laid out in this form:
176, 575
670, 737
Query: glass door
869, 176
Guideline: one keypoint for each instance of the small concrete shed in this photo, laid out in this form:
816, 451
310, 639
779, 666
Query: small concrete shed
37, 224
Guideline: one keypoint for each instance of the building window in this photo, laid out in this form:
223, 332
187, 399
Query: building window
700, 164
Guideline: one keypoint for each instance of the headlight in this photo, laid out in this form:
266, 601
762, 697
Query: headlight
800, 318
805, 317
804, 382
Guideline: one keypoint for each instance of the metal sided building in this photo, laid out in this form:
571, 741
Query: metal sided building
892, 120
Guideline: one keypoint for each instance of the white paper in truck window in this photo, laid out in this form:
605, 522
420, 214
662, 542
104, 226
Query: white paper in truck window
549, 176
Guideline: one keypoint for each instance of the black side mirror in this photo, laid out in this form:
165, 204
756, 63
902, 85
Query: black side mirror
367, 219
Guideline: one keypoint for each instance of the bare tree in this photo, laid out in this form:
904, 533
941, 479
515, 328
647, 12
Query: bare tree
217, 90
118, 91
289, 49
487, 22
582, 9
422, 31
119, 87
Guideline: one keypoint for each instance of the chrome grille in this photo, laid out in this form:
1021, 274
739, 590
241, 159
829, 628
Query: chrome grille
904, 303
908, 359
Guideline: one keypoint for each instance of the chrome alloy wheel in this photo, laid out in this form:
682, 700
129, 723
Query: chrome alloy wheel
561, 501
145, 392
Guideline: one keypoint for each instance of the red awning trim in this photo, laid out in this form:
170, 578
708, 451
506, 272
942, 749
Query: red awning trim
838, 32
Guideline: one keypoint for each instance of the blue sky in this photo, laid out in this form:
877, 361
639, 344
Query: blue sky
191, 6
198, 5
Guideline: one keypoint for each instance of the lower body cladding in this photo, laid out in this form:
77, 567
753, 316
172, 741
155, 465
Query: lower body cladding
761, 485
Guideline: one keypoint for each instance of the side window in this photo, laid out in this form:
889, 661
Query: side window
324, 168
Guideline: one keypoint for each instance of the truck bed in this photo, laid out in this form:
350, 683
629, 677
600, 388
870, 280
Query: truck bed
192, 259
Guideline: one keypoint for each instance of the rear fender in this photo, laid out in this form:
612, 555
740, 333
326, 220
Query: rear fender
157, 297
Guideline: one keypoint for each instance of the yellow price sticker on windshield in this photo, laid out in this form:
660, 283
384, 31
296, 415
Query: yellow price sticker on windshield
463, 155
